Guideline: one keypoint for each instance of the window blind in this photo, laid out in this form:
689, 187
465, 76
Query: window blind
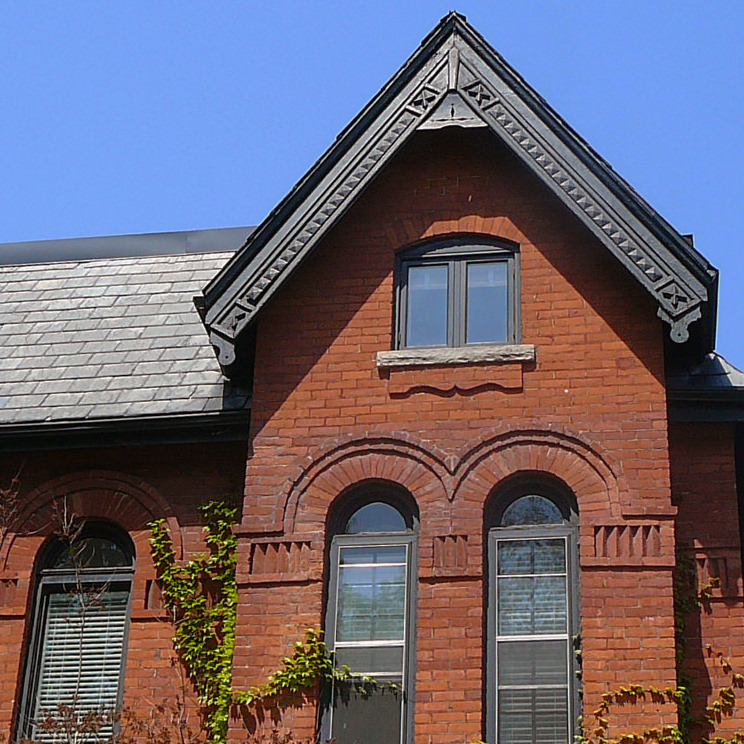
82, 650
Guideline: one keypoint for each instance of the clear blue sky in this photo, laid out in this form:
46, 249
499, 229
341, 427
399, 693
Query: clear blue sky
146, 116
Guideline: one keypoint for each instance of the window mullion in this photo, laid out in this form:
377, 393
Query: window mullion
456, 307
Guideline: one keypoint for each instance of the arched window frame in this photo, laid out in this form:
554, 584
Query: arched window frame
454, 256
565, 531
55, 583
338, 541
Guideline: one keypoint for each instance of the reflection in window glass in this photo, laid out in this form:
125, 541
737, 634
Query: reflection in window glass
368, 626
92, 552
426, 321
531, 510
376, 517
532, 640
487, 303
371, 602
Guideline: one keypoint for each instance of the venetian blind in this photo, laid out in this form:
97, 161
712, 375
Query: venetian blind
82, 650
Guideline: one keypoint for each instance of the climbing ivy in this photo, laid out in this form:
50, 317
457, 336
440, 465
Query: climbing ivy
202, 596
688, 597
311, 664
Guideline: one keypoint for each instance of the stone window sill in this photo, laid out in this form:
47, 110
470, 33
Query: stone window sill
439, 356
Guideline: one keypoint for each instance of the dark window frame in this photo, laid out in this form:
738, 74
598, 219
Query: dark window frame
457, 254
338, 540
566, 530
51, 581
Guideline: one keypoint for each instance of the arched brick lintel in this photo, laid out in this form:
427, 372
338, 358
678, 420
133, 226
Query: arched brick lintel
599, 489
116, 497
433, 475
404, 233
397, 458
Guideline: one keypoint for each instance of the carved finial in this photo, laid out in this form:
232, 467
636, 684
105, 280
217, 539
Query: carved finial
453, 68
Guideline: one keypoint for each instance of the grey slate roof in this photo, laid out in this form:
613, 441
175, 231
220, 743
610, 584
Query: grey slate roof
713, 373
108, 338
112, 246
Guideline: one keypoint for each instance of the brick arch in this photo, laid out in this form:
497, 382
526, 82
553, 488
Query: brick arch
399, 458
599, 488
418, 227
127, 501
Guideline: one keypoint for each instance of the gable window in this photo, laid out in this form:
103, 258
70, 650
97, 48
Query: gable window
456, 293
368, 622
532, 618
76, 651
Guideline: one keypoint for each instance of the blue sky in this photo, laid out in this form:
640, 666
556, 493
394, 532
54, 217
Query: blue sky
145, 115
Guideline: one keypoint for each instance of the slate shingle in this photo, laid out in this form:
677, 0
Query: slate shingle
108, 338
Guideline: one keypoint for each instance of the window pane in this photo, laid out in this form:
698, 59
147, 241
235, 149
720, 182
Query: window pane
530, 663
426, 319
549, 556
371, 603
534, 556
376, 517
532, 605
92, 552
550, 604
531, 510
371, 660
533, 716
83, 642
361, 716
373, 554
487, 302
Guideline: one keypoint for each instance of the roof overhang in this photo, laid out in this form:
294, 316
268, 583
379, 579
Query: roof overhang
709, 406
456, 79
135, 431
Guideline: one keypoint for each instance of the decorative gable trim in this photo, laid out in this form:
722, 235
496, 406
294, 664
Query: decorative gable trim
455, 73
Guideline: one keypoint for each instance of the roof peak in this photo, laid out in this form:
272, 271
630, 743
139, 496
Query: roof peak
455, 60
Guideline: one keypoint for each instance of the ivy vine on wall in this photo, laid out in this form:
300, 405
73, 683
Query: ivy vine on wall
202, 597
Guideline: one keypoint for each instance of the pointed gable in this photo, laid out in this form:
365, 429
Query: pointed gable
456, 79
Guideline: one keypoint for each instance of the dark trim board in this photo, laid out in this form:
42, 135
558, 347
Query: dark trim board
706, 405
133, 432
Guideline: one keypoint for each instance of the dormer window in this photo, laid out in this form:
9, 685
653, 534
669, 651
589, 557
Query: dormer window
457, 293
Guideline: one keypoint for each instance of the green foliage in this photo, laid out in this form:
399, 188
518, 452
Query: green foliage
202, 596
310, 664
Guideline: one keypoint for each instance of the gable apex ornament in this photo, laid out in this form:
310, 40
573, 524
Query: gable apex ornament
456, 79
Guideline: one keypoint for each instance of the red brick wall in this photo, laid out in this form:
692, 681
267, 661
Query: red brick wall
128, 486
704, 487
590, 411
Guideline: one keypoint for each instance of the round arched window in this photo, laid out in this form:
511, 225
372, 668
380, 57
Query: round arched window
531, 611
76, 651
376, 516
531, 509
368, 621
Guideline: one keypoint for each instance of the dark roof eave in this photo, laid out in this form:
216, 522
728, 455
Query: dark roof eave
706, 405
221, 426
